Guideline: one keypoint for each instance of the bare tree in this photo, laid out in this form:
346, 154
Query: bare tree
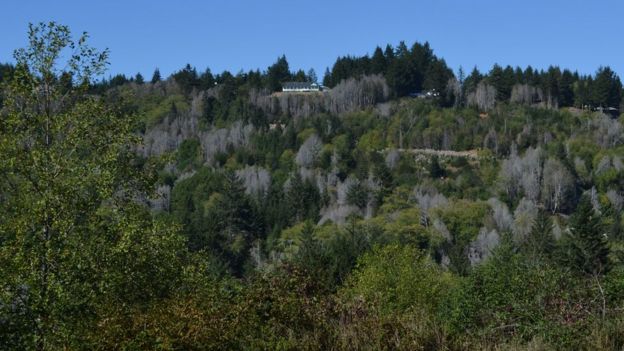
484, 97
524, 217
392, 158
309, 151
501, 215
526, 94
616, 199
255, 179
558, 185
481, 248
522, 174
608, 132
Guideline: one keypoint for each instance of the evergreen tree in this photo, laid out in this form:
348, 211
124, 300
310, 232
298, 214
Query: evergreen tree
389, 55
378, 62
206, 79
312, 78
300, 76
187, 78
156, 76
277, 74
310, 254
582, 92
502, 80
471, 82
539, 244
327, 78
239, 224
461, 75
550, 85
607, 88
139, 79
587, 247
566, 89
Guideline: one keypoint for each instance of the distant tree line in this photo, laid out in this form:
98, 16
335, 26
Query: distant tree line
416, 69
409, 70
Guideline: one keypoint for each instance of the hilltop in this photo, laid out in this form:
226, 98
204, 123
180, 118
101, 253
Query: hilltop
407, 207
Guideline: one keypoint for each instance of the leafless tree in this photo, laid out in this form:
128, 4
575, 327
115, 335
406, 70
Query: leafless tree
349, 95
558, 185
490, 141
309, 151
427, 198
454, 91
526, 94
481, 248
616, 199
255, 179
524, 217
608, 132
603, 165
392, 158
522, 174
501, 215
581, 169
484, 97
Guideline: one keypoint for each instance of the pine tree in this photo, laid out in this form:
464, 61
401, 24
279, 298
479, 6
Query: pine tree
327, 78
587, 249
378, 62
312, 78
607, 88
156, 76
238, 222
539, 244
139, 79
278, 73
471, 82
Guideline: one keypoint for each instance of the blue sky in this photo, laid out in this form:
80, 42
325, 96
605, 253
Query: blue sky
237, 34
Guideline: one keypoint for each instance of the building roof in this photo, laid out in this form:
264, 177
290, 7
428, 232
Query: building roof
300, 85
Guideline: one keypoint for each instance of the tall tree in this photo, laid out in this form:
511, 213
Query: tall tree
139, 79
473, 79
312, 76
156, 76
539, 243
278, 73
72, 235
378, 62
588, 250
607, 88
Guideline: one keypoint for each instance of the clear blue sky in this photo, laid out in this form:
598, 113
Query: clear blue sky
236, 34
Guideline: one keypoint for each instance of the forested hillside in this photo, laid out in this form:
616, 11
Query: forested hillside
213, 211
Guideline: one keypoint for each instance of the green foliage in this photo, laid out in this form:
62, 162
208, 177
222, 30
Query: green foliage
398, 279
463, 220
238, 259
510, 297
189, 154
72, 235
587, 250
540, 243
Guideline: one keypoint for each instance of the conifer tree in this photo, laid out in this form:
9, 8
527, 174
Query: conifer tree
156, 76
139, 79
378, 62
539, 244
587, 249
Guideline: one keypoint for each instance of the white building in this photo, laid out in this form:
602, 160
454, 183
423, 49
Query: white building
300, 87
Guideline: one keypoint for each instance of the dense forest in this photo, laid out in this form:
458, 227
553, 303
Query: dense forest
209, 210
